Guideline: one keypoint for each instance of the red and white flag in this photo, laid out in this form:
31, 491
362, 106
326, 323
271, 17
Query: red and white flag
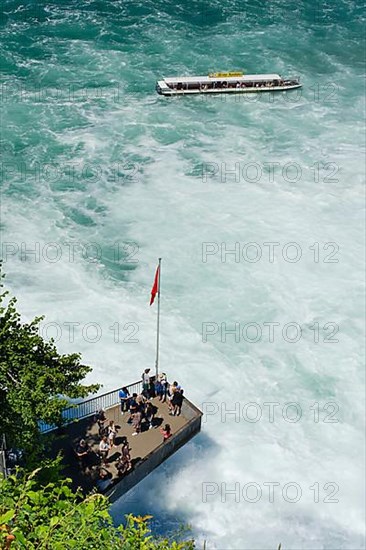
155, 288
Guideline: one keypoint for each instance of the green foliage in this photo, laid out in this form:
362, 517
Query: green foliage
46, 515
33, 376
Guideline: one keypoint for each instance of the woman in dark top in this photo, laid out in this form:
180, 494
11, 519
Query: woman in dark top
177, 401
82, 451
101, 418
133, 406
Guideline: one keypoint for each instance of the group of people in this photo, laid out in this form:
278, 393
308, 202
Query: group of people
141, 411
141, 408
107, 434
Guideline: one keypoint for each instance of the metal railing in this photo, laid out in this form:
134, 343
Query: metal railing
91, 406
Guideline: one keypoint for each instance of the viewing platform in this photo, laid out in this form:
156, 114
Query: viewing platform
147, 448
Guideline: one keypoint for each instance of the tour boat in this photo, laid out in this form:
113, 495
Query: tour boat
232, 82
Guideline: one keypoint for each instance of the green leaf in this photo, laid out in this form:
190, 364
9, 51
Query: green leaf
54, 520
5, 518
20, 538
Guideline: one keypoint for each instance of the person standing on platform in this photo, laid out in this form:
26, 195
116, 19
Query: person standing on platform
82, 452
159, 389
124, 396
136, 422
101, 418
177, 402
164, 382
124, 462
173, 388
104, 449
146, 383
149, 414
133, 407
112, 432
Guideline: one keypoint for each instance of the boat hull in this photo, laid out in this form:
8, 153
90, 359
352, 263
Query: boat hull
172, 92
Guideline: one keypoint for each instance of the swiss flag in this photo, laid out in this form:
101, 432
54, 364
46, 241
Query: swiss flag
155, 288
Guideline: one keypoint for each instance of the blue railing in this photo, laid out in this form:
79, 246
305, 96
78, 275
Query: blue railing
91, 406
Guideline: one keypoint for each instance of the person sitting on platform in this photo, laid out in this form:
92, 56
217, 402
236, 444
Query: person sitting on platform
166, 431
102, 478
124, 396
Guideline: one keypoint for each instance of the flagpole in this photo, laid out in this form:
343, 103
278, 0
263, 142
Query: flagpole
158, 325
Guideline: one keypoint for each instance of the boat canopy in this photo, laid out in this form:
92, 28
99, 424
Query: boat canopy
208, 79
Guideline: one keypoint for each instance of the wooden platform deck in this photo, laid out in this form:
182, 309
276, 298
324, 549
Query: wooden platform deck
147, 448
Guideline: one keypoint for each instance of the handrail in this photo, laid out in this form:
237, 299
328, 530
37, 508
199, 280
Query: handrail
91, 406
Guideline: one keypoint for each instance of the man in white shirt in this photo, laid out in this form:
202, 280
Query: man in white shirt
104, 449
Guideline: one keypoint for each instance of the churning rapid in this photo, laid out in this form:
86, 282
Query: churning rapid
254, 204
